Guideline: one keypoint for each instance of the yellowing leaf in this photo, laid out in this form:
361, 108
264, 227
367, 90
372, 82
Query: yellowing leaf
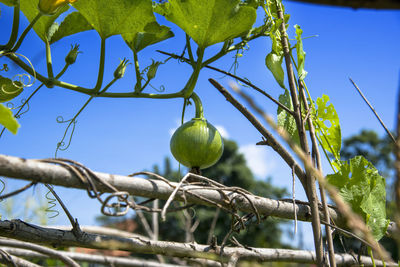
7, 119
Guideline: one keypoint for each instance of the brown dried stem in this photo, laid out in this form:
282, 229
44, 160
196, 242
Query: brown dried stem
353, 220
315, 150
311, 189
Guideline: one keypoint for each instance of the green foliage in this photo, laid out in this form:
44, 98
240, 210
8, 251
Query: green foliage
7, 119
361, 186
209, 22
300, 53
73, 23
112, 17
43, 25
379, 151
327, 126
153, 33
286, 120
273, 61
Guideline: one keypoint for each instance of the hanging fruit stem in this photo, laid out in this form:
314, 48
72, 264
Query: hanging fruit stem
198, 106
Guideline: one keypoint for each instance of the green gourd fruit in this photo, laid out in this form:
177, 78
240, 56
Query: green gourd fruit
197, 144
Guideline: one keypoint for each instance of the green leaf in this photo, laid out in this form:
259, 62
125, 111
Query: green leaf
286, 120
153, 33
327, 126
274, 64
8, 89
300, 53
112, 17
73, 23
209, 22
42, 26
361, 186
7, 119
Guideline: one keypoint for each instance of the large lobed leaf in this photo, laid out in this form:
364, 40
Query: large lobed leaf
152, 33
112, 17
73, 23
327, 126
209, 22
361, 186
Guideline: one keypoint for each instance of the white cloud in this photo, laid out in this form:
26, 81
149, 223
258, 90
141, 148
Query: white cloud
172, 130
222, 130
259, 160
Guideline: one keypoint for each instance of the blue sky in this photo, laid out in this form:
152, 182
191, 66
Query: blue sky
128, 135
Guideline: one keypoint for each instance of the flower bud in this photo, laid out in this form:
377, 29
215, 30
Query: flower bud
151, 73
72, 54
49, 7
120, 71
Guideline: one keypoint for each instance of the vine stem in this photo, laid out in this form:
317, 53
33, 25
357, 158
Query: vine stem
49, 63
101, 66
25, 32
315, 150
188, 90
235, 77
14, 30
198, 106
311, 188
138, 85
33, 93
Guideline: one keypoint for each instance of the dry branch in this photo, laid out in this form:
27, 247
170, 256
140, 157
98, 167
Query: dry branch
41, 172
54, 237
99, 259
12, 260
34, 170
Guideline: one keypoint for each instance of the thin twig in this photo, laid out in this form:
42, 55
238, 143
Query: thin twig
74, 222
16, 192
373, 110
171, 198
272, 141
213, 224
294, 200
397, 167
258, 89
